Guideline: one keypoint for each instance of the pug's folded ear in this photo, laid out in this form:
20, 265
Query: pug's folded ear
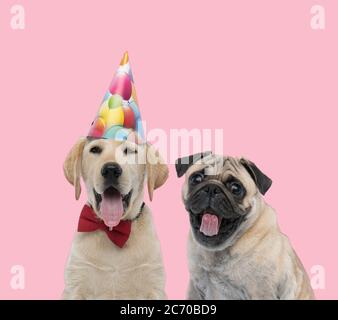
183, 164
262, 181
157, 170
72, 166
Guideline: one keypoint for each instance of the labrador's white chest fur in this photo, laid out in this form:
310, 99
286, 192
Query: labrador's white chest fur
98, 269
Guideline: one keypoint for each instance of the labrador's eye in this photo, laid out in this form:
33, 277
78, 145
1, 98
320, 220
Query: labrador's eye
196, 178
95, 149
127, 151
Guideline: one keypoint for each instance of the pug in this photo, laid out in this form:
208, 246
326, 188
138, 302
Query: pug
116, 252
235, 248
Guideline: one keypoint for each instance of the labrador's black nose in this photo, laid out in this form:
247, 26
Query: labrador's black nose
111, 170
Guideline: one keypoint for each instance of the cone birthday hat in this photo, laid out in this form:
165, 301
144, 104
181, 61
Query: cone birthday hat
119, 113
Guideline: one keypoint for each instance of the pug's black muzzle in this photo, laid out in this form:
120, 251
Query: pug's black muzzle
212, 197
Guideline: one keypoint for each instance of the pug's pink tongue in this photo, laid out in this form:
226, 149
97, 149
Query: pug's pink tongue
112, 209
209, 225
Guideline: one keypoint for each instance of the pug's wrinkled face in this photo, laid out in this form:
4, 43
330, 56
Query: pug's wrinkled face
114, 174
220, 194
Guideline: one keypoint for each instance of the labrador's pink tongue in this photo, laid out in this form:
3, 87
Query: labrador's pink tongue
112, 209
209, 225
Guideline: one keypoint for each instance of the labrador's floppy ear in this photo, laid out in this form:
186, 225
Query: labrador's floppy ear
72, 166
183, 164
262, 181
157, 170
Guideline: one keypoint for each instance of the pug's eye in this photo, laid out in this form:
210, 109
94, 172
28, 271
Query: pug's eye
127, 151
196, 178
236, 188
95, 149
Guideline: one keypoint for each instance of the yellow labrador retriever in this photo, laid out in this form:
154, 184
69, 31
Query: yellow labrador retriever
114, 174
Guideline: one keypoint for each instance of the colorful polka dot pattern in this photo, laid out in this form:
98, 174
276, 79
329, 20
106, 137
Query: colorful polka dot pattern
119, 113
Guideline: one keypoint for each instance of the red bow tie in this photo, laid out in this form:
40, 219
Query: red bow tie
89, 222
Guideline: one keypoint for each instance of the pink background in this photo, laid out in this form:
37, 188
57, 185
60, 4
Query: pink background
254, 68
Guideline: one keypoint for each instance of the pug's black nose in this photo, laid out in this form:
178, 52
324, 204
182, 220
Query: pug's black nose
111, 170
212, 190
